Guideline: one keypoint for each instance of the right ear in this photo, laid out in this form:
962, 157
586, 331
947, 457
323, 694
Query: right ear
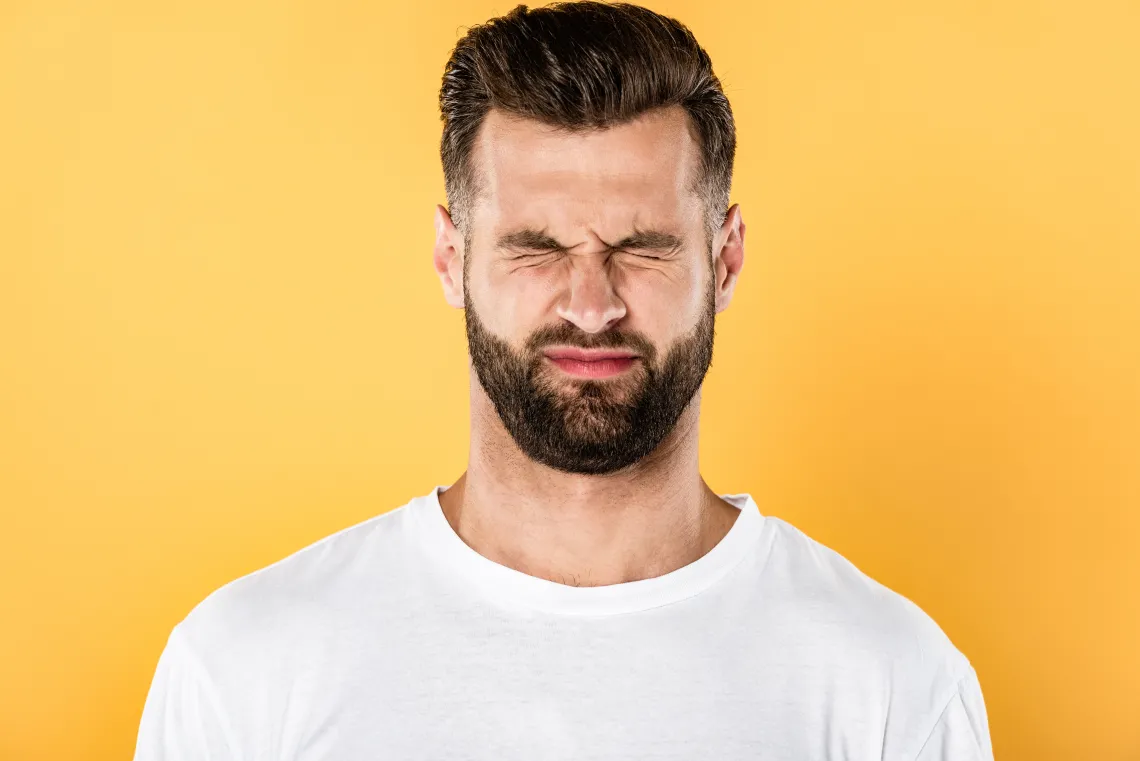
447, 257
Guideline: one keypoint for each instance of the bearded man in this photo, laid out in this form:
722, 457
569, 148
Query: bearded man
579, 592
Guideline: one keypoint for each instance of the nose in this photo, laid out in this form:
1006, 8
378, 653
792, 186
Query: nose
591, 302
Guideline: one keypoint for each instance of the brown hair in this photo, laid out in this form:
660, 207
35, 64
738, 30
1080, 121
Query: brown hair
583, 65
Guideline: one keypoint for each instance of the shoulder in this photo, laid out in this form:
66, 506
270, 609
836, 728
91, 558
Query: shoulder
824, 595
889, 652
301, 598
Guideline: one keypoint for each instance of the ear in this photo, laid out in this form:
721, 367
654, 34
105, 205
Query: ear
447, 257
728, 256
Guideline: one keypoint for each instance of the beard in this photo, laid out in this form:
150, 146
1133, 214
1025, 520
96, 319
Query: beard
591, 426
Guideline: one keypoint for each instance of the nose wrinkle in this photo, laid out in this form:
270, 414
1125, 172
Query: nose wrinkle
593, 301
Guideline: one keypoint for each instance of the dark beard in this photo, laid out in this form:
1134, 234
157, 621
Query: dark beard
590, 426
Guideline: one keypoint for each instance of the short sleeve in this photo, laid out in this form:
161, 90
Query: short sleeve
181, 719
962, 731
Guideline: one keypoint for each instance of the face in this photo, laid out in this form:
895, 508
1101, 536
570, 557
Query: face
590, 284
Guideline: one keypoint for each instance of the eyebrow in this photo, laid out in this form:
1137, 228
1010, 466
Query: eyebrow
529, 239
536, 240
652, 239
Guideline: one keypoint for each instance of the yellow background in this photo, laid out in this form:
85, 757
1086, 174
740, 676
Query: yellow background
223, 339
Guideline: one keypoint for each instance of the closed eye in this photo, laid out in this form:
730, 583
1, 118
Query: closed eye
529, 243
650, 244
534, 255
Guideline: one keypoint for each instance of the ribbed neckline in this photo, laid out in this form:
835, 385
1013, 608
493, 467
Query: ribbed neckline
519, 590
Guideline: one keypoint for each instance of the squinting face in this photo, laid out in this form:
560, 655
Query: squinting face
589, 285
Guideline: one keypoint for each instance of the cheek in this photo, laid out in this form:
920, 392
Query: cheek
514, 304
663, 305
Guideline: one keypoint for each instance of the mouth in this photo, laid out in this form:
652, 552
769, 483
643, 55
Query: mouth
591, 363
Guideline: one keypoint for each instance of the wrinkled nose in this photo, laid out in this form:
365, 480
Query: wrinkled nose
591, 302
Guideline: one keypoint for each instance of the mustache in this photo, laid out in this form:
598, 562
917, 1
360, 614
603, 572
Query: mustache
567, 334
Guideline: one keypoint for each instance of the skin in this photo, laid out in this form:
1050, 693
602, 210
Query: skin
587, 192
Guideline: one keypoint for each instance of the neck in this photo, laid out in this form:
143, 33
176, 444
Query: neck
585, 530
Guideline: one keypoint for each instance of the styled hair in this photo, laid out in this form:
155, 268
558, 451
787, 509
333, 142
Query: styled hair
580, 66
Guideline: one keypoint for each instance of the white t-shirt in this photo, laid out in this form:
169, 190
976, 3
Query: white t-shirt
394, 639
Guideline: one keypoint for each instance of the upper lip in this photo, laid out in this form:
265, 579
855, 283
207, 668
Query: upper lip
588, 355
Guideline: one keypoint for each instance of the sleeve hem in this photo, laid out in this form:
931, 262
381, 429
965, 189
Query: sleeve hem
178, 640
954, 693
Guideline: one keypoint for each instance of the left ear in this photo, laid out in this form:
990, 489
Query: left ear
728, 256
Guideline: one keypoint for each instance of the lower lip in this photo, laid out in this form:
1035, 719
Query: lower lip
602, 368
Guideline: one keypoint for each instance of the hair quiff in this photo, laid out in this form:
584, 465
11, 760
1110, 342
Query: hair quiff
583, 65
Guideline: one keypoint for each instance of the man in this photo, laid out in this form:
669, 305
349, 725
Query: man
579, 592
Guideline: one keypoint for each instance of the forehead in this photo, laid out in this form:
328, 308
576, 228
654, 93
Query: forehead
640, 172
